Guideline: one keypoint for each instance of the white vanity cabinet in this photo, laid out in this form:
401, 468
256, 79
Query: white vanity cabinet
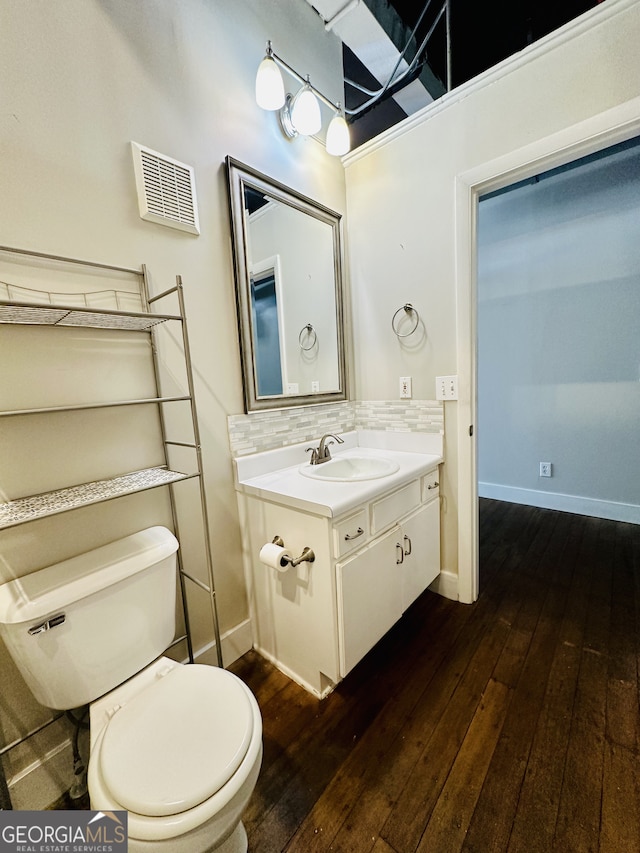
317, 620
378, 583
369, 588
419, 544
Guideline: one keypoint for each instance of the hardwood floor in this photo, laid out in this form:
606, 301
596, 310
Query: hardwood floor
506, 726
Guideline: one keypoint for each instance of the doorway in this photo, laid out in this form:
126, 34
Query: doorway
595, 134
558, 309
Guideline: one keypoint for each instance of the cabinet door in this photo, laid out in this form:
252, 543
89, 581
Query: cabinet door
420, 536
369, 597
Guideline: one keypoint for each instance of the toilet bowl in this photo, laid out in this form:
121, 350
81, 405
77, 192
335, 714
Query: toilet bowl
179, 748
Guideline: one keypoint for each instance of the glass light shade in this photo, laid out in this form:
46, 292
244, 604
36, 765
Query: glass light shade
269, 85
305, 112
338, 141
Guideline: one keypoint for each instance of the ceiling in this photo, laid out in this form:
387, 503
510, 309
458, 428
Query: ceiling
375, 34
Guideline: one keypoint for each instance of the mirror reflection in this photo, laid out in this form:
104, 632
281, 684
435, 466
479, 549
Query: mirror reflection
287, 257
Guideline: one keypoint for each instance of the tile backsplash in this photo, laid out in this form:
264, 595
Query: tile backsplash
400, 415
269, 430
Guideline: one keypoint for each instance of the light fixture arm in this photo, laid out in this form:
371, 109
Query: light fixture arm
304, 80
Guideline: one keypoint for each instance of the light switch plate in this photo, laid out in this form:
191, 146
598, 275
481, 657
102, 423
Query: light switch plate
446, 387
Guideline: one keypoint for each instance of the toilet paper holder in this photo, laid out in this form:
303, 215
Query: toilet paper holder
307, 555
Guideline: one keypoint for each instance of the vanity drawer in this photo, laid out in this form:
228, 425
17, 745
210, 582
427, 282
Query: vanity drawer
350, 533
388, 510
431, 485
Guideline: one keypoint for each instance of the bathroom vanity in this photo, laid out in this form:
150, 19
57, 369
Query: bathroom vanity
373, 523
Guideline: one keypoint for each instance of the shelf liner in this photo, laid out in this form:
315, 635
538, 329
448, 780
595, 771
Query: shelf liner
51, 503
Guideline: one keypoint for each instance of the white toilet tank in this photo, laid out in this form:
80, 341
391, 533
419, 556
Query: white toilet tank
79, 628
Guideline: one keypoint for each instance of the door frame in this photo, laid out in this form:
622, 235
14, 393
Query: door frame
587, 137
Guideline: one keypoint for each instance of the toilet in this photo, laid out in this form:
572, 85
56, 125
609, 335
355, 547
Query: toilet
178, 747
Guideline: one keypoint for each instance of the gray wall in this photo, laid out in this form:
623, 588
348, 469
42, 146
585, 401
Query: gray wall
558, 338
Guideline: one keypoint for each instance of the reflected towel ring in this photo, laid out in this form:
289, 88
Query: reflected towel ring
311, 333
408, 309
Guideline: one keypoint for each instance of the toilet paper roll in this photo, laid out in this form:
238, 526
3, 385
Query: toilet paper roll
275, 557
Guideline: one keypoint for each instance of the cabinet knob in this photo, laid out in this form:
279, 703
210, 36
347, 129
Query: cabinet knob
349, 536
433, 485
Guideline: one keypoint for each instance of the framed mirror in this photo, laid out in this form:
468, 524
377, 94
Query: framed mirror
288, 271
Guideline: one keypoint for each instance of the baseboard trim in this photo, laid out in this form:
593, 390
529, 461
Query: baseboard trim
564, 503
43, 781
235, 642
320, 694
446, 585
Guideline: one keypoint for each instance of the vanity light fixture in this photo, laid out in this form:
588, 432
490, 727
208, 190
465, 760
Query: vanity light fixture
299, 113
305, 111
338, 141
270, 93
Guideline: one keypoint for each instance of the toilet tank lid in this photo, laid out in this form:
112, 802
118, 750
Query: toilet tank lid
57, 586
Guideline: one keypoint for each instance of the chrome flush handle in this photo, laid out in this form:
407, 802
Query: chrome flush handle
48, 624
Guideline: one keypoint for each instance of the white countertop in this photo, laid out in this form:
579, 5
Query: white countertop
285, 485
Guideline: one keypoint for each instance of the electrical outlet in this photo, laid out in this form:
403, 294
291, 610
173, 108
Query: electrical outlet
315, 386
292, 388
545, 469
446, 387
405, 387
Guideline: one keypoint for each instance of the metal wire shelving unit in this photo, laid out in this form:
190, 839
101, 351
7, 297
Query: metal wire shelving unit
27, 509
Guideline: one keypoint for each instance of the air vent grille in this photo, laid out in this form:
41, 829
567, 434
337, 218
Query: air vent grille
166, 190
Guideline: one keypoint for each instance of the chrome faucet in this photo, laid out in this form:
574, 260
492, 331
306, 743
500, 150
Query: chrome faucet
321, 453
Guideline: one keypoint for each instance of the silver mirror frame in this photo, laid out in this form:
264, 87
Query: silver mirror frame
238, 176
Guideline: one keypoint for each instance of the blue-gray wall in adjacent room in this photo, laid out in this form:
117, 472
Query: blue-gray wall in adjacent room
559, 337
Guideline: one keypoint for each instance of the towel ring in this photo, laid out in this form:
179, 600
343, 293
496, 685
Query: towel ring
311, 333
408, 309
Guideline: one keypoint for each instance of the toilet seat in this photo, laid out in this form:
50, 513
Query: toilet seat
176, 743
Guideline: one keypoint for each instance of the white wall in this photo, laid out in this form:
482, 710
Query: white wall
405, 234
558, 344
81, 79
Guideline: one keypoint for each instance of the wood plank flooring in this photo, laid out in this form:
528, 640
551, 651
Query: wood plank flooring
507, 726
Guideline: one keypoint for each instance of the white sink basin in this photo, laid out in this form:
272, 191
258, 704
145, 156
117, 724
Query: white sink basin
347, 469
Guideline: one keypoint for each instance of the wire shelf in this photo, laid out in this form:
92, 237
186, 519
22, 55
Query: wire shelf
51, 503
60, 315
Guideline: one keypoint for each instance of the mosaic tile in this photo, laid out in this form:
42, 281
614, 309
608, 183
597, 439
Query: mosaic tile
262, 431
